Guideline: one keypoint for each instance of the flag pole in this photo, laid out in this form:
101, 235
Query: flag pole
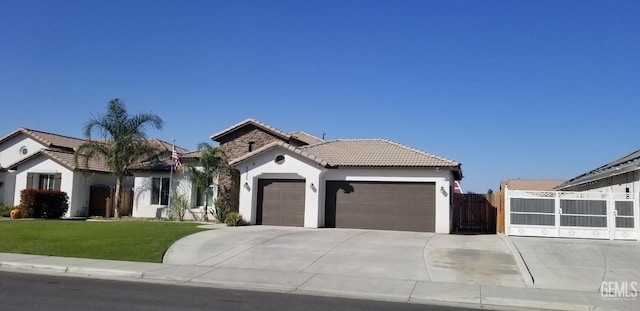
173, 149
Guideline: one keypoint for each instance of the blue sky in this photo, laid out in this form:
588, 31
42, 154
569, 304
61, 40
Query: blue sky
511, 89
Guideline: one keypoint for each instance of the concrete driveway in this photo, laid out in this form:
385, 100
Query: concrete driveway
472, 259
576, 264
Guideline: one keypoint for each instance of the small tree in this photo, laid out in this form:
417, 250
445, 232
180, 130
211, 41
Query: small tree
212, 163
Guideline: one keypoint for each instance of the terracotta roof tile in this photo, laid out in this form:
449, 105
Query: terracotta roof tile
375, 153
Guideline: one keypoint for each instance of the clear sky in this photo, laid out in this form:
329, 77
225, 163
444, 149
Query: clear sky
511, 89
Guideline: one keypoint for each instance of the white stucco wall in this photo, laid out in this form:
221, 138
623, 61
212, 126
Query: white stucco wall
10, 149
295, 166
43, 165
181, 183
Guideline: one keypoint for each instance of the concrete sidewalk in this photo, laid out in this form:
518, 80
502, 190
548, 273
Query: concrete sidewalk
413, 291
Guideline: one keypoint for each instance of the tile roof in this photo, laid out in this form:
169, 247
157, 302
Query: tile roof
306, 137
375, 153
254, 122
60, 148
531, 184
279, 144
630, 162
65, 158
50, 140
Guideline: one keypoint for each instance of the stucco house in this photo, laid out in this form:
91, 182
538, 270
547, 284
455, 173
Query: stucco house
42, 160
155, 182
297, 179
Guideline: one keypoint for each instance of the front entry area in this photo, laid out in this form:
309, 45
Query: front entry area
399, 206
280, 202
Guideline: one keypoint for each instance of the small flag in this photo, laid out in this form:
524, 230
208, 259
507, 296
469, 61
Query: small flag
176, 159
456, 187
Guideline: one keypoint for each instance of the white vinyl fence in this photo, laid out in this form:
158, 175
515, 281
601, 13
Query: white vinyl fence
590, 215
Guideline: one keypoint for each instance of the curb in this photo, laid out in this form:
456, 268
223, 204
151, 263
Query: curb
529, 281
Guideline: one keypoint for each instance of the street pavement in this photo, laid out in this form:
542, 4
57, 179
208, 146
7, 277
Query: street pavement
465, 270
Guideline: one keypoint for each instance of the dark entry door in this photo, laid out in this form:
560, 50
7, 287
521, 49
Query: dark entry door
380, 205
280, 202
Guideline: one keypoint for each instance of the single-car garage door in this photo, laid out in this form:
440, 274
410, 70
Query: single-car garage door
280, 202
380, 205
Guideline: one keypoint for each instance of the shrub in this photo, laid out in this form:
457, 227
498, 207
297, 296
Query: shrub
5, 210
222, 209
179, 205
49, 204
234, 219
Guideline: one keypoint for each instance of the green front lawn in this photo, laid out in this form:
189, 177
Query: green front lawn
145, 241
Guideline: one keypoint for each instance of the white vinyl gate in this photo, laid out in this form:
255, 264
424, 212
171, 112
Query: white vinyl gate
590, 215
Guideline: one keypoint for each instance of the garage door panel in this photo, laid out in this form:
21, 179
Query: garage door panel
380, 205
280, 202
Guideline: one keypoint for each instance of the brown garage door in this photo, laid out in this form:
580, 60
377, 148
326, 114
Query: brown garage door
380, 205
280, 202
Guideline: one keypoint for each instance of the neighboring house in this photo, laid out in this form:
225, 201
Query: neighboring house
41, 160
530, 184
297, 179
619, 176
155, 182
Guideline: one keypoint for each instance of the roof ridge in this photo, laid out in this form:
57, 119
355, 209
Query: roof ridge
32, 132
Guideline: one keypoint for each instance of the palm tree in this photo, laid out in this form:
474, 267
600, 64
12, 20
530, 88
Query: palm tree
213, 162
125, 142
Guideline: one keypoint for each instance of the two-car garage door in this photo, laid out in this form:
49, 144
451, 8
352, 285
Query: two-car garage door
351, 204
380, 205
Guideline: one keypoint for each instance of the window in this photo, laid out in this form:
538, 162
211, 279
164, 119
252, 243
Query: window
47, 182
160, 191
251, 143
200, 197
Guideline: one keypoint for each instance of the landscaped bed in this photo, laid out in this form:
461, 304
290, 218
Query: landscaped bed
145, 241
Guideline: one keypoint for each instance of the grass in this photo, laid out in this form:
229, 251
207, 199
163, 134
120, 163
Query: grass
144, 241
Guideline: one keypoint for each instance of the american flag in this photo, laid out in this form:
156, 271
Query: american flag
176, 159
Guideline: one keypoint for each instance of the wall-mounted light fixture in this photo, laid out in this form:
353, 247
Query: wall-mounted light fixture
444, 191
313, 187
246, 185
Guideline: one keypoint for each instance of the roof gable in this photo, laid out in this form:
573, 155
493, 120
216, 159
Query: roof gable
283, 145
263, 126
